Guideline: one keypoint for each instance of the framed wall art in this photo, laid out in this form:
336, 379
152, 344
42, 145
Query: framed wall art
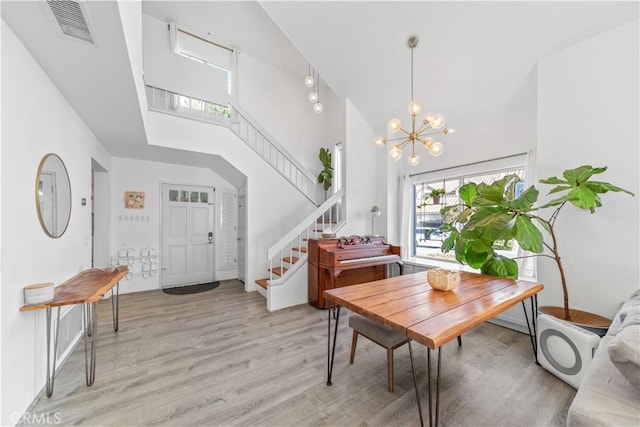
134, 199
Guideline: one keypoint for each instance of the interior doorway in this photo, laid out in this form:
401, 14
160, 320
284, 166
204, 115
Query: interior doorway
187, 235
100, 209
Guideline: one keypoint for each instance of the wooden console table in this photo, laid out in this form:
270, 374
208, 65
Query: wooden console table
410, 307
86, 288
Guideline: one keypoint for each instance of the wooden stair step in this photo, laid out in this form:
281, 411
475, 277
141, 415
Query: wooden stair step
301, 249
263, 282
290, 259
278, 271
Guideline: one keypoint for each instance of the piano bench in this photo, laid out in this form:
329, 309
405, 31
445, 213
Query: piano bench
380, 335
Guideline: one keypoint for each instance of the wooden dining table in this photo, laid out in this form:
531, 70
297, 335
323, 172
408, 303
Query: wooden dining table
86, 288
409, 306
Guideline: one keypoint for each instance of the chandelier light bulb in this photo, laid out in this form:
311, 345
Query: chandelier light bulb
413, 160
309, 81
395, 152
427, 142
394, 125
379, 141
415, 107
313, 97
438, 121
428, 118
317, 108
436, 149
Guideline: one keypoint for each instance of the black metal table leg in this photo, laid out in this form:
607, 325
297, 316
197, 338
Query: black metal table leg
434, 418
531, 326
115, 306
438, 388
331, 353
51, 358
90, 323
415, 384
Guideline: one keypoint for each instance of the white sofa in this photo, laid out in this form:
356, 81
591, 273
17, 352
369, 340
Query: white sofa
607, 395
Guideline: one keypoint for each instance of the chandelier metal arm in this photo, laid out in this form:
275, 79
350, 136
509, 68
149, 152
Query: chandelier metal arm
424, 127
435, 132
396, 139
404, 144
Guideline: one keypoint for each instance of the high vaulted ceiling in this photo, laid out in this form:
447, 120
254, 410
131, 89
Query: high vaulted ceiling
472, 56
472, 61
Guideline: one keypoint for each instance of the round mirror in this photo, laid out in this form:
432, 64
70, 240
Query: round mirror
53, 195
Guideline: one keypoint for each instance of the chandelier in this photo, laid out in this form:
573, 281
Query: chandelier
432, 124
314, 97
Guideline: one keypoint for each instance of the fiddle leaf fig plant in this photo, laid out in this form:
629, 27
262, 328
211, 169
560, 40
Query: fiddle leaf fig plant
325, 177
493, 214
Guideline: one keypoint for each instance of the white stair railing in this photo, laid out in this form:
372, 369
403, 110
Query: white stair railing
243, 126
329, 214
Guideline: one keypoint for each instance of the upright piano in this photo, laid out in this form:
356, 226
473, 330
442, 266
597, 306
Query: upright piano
345, 261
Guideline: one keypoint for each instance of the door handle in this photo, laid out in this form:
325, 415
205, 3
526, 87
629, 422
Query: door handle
210, 238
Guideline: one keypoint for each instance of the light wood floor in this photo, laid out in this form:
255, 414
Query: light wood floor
218, 358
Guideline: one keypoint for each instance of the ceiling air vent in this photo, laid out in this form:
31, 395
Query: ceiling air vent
72, 18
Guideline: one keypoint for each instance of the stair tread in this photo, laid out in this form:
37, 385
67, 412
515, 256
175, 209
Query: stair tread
290, 260
278, 271
300, 249
263, 282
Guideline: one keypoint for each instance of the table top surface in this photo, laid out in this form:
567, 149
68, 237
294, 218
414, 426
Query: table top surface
86, 286
408, 305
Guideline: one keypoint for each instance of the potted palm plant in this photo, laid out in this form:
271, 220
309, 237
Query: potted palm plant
496, 213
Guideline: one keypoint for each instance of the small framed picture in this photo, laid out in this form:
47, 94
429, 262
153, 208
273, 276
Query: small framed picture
134, 199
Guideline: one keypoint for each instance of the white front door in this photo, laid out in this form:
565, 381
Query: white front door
187, 235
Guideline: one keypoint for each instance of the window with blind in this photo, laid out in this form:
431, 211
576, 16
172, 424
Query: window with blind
431, 195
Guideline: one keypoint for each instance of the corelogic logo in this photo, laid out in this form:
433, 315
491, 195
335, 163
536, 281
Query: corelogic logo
41, 418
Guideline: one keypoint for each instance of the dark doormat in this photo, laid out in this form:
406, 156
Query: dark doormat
191, 289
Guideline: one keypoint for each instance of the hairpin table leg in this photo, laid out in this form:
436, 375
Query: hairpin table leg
531, 326
52, 334
331, 353
90, 323
115, 305
415, 384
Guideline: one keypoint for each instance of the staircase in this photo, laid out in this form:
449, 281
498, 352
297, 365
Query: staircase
286, 283
239, 122
289, 254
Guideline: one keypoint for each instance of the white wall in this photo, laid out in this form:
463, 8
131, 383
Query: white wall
360, 181
170, 71
588, 114
139, 175
275, 100
131, 17
36, 119
273, 205
279, 103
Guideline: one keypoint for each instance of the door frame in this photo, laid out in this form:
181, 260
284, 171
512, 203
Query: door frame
161, 258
